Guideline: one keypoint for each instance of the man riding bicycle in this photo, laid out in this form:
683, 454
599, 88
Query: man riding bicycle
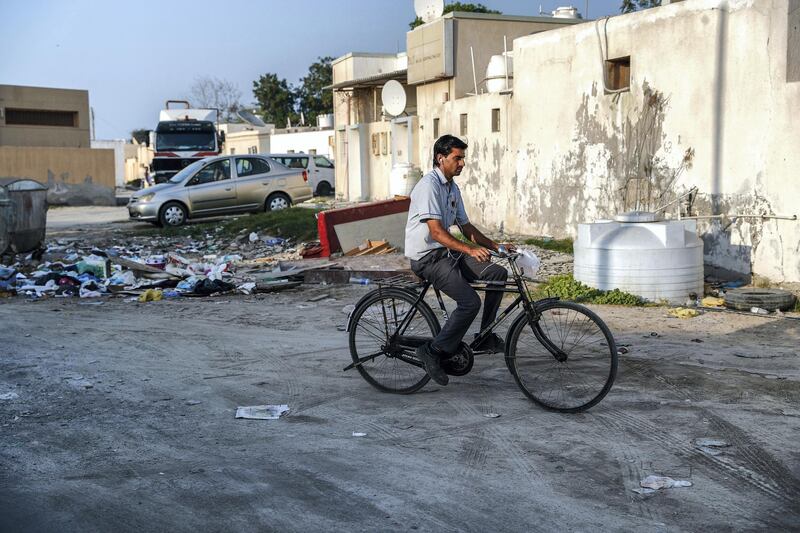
449, 264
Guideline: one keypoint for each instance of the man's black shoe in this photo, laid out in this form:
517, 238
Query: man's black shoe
492, 344
432, 365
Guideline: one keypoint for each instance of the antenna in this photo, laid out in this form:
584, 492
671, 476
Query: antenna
429, 10
393, 98
250, 118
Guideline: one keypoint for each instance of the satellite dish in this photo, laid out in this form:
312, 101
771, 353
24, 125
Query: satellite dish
393, 98
250, 118
429, 10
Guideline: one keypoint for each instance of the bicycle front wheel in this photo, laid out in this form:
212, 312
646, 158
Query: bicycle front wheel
564, 361
381, 359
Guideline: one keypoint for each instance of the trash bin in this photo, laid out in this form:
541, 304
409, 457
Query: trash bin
23, 215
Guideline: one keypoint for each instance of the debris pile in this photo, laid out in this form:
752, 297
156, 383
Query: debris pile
150, 269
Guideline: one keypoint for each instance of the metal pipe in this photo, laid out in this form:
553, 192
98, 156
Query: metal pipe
474, 78
678, 199
505, 58
763, 217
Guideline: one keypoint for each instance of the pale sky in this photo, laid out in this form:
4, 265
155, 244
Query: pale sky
133, 56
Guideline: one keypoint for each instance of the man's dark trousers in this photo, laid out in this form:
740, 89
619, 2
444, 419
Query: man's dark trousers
452, 273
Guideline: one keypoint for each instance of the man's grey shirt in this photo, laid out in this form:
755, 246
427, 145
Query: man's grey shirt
433, 197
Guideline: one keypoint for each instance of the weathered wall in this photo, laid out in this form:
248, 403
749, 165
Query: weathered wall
247, 142
487, 181
380, 164
75, 176
46, 99
709, 106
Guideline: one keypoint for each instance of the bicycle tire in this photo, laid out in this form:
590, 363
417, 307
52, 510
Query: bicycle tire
367, 336
588, 372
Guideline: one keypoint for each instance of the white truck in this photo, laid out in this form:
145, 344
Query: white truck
183, 136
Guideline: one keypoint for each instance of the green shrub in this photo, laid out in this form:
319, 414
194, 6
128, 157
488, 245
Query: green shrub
557, 245
568, 288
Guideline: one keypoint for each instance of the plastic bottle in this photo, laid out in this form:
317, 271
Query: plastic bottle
359, 281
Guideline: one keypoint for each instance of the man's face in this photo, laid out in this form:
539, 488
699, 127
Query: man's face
452, 164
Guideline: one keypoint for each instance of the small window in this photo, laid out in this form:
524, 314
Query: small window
496, 119
41, 117
376, 148
322, 162
463, 124
233, 151
436, 128
384, 143
252, 150
250, 166
618, 73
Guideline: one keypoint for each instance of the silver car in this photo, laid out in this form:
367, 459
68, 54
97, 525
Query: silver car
221, 185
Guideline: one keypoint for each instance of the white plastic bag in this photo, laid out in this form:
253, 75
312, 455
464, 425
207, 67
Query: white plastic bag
528, 263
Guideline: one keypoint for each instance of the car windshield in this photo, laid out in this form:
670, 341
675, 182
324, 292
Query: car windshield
186, 171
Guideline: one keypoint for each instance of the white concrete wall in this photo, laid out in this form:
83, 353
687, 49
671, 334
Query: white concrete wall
304, 141
118, 145
709, 106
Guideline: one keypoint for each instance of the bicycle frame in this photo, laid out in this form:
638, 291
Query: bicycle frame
516, 285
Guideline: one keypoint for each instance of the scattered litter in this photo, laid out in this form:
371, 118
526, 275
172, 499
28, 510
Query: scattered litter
319, 298
253, 237
711, 446
358, 434
193, 402
262, 412
528, 263
9, 396
369, 247
622, 350
759, 311
491, 415
151, 295
662, 482
359, 281
711, 301
683, 312
697, 340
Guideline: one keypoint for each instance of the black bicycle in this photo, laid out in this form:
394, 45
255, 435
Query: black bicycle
561, 354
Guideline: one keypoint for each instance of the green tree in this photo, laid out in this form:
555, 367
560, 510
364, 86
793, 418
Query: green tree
141, 136
458, 6
276, 98
312, 99
629, 6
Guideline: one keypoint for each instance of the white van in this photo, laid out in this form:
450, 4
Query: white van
320, 169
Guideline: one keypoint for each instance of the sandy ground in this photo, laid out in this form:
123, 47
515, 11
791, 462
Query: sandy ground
123, 420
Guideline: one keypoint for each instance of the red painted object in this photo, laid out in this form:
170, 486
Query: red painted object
326, 220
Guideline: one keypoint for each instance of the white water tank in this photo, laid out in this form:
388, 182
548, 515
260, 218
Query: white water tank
325, 121
566, 12
496, 72
639, 254
402, 179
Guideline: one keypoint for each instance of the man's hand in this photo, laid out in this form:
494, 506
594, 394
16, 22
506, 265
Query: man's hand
479, 254
511, 248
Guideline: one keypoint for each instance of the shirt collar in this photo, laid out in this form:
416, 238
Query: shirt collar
440, 175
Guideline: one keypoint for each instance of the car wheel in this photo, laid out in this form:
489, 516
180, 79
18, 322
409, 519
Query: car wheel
277, 201
172, 214
324, 188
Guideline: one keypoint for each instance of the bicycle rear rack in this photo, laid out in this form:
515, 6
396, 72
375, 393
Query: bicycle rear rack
401, 281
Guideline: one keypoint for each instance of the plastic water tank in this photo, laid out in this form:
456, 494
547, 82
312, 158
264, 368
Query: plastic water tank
325, 121
637, 253
566, 12
402, 179
496, 72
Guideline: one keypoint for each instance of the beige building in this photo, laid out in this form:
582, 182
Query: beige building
636, 110
45, 136
611, 115
437, 69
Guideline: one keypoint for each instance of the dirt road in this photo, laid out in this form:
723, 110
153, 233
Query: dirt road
120, 417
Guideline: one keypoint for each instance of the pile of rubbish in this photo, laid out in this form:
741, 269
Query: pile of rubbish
141, 270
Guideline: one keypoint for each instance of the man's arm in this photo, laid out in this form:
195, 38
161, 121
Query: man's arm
472, 233
443, 237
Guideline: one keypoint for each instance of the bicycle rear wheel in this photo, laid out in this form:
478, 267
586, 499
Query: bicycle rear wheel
565, 361
384, 362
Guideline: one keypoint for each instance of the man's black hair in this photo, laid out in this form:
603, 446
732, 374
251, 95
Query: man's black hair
445, 144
